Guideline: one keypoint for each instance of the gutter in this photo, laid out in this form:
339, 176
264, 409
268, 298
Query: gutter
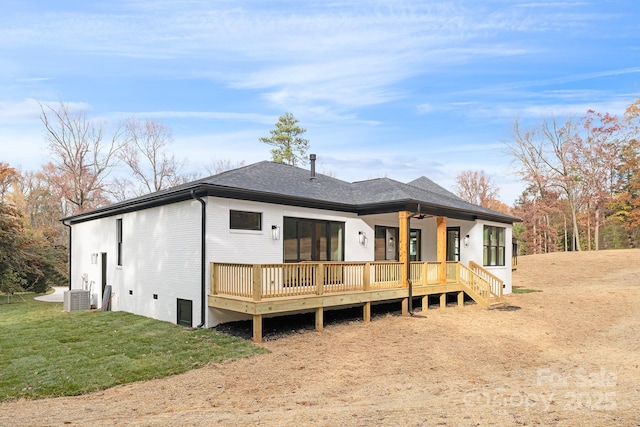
203, 285
69, 250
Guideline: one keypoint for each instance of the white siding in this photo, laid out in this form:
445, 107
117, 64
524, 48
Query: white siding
476, 243
161, 251
161, 256
243, 246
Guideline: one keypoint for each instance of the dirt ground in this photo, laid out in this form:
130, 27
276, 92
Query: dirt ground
566, 356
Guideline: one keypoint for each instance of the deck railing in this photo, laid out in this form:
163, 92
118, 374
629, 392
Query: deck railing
483, 286
261, 281
496, 284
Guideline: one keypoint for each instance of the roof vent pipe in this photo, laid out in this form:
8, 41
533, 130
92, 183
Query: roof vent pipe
312, 158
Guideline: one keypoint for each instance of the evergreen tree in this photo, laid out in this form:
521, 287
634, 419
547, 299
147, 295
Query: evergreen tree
289, 146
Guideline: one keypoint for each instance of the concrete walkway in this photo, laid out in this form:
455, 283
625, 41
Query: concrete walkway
56, 296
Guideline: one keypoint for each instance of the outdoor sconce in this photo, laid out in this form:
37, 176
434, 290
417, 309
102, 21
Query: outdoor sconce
94, 258
275, 232
465, 240
362, 237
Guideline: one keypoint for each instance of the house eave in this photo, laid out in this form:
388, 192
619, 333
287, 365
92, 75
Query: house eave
185, 193
434, 210
203, 189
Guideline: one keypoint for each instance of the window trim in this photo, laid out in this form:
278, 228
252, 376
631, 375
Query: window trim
314, 237
488, 248
383, 229
455, 250
119, 240
237, 227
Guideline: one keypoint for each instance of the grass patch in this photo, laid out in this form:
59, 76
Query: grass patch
47, 352
524, 290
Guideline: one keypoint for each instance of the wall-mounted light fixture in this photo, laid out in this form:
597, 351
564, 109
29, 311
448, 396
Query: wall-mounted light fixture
275, 232
94, 258
362, 238
465, 240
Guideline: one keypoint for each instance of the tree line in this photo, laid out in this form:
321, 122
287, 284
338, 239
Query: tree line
582, 178
92, 164
582, 181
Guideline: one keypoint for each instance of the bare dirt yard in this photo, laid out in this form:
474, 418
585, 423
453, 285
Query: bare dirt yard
566, 356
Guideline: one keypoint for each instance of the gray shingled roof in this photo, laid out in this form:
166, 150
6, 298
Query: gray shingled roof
290, 185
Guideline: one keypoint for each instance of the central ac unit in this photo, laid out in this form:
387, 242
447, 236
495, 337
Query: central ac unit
76, 300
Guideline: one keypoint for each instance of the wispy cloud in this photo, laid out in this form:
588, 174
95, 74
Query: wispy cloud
201, 115
342, 54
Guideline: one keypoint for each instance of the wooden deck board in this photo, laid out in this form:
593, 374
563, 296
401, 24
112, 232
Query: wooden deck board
311, 302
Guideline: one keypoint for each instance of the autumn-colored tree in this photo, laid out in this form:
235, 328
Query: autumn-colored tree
625, 205
595, 156
28, 259
538, 236
8, 178
476, 187
40, 197
82, 154
290, 147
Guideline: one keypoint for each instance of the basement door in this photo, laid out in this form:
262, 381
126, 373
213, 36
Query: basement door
185, 312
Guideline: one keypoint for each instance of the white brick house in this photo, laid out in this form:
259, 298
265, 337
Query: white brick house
156, 252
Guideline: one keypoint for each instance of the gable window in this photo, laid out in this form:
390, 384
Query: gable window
494, 245
119, 242
242, 220
313, 240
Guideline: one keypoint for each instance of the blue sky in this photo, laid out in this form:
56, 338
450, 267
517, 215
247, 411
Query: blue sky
395, 88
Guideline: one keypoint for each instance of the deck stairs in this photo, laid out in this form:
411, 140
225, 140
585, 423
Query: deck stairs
482, 286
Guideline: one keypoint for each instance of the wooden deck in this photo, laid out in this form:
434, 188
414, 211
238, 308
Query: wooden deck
261, 289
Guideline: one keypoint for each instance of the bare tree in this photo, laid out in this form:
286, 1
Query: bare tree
525, 147
548, 160
145, 155
82, 155
218, 166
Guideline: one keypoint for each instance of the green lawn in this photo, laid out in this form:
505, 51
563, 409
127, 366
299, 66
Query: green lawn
524, 290
47, 352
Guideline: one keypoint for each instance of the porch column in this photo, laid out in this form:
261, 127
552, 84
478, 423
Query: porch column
403, 220
441, 248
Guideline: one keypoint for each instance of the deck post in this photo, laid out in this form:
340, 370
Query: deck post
257, 283
366, 277
441, 248
214, 278
443, 300
257, 328
460, 299
366, 312
319, 279
319, 319
405, 306
425, 274
425, 303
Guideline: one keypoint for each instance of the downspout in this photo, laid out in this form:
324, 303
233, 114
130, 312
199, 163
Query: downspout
69, 250
203, 285
409, 259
